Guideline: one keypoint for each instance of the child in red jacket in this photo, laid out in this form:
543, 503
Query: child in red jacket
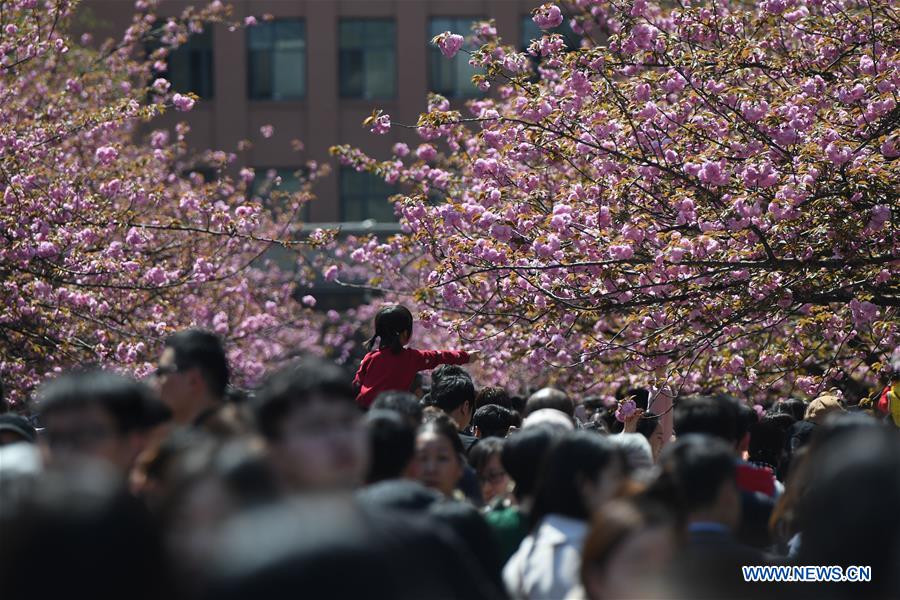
393, 366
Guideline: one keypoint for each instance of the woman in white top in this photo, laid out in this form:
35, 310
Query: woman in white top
578, 474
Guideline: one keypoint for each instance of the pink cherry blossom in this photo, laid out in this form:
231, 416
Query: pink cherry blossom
450, 44
183, 103
547, 16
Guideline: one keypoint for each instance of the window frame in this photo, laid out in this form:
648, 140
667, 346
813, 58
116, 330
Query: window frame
252, 94
365, 94
342, 196
436, 58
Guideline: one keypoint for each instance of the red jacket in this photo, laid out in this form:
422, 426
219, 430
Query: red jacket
382, 370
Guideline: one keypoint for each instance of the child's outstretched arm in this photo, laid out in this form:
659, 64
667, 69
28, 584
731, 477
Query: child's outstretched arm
429, 359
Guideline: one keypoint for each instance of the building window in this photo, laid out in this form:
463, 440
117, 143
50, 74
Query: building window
365, 196
273, 183
189, 67
367, 58
276, 60
452, 77
531, 32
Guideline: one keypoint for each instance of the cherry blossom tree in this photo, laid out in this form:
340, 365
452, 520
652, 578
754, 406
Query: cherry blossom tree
704, 195
111, 238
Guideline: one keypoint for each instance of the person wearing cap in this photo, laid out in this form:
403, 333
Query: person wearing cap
14, 429
97, 415
822, 406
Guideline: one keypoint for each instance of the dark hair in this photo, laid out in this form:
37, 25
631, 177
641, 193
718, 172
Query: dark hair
849, 514
18, 425
574, 458
401, 402
782, 420
647, 424
451, 392
790, 406
715, 416
203, 350
132, 405
692, 470
481, 453
294, 385
492, 395
470, 527
392, 440
103, 539
522, 452
390, 322
190, 459
746, 417
493, 420
550, 398
440, 424
767, 440
442, 371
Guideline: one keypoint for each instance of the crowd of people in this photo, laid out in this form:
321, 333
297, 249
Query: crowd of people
318, 484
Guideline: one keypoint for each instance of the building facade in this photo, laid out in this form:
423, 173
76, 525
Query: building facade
314, 73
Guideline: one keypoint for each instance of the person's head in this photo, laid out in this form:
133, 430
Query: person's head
550, 398
746, 417
205, 483
484, 457
492, 420
98, 415
78, 530
455, 395
192, 374
469, 526
392, 444
628, 550
650, 426
848, 516
636, 453
580, 472
442, 371
790, 406
492, 395
698, 476
439, 461
310, 546
308, 416
549, 416
393, 328
522, 452
767, 440
16, 428
399, 495
822, 406
716, 416
404, 403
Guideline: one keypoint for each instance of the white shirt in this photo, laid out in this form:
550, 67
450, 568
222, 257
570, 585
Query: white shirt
546, 566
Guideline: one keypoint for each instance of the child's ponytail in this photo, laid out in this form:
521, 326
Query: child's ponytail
390, 323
